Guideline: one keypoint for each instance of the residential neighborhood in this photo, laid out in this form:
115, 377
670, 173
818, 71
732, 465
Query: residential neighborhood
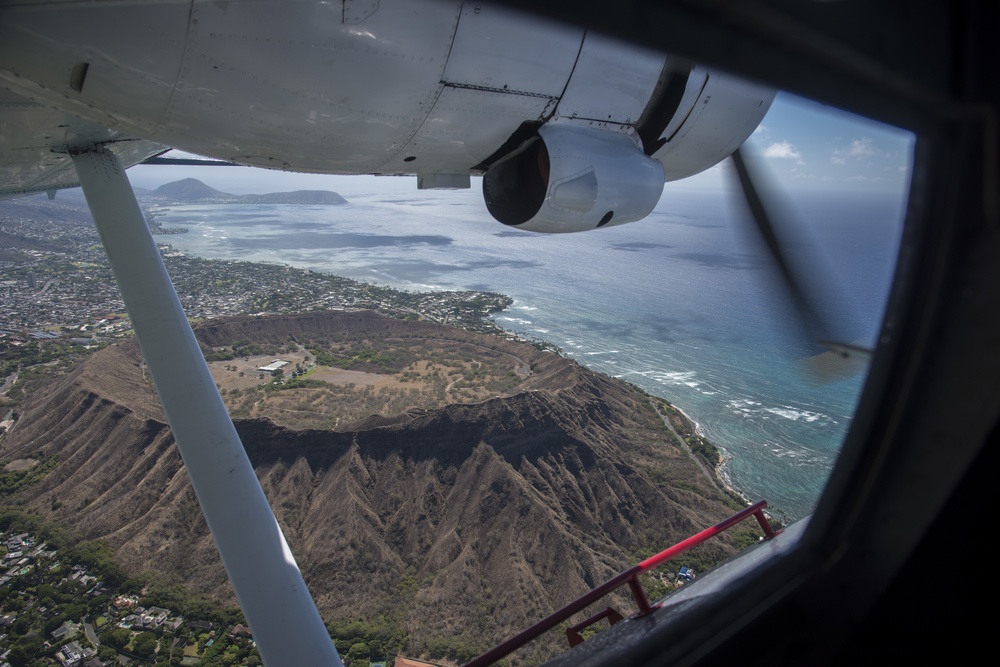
54, 611
57, 612
55, 283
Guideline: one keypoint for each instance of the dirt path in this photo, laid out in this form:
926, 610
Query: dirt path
666, 421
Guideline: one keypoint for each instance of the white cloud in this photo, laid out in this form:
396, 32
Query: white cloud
857, 149
782, 150
861, 148
867, 179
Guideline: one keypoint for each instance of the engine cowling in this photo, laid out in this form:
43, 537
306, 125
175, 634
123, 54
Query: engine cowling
573, 178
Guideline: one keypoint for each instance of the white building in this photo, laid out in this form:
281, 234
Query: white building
273, 366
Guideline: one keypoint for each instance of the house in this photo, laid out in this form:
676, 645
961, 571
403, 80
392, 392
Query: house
154, 617
173, 623
130, 621
70, 654
239, 630
19, 542
67, 630
273, 366
126, 601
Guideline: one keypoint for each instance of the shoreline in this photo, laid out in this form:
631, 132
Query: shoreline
489, 319
724, 456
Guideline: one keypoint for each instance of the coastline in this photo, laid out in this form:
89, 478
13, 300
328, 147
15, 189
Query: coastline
725, 456
719, 469
573, 326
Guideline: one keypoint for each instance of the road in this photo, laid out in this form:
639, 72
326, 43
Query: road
89, 630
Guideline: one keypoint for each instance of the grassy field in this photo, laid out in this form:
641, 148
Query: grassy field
326, 385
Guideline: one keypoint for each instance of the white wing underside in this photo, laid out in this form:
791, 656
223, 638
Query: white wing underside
34, 157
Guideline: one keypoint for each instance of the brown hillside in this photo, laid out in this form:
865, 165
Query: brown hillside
474, 519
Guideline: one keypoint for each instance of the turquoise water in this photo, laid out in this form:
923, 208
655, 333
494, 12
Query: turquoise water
679, 304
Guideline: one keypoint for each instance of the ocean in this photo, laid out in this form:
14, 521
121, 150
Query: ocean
682, 304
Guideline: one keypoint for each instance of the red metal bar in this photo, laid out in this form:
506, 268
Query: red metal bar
629, 576
765, 525
552, 620
573, 632
694, 540
639, 595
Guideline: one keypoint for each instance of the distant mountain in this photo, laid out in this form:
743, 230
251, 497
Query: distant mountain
189, 189
192, 190
316, 197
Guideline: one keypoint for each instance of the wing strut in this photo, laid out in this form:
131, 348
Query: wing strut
281, 613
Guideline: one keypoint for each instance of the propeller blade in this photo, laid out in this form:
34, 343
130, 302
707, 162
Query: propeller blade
810, 321
838, 360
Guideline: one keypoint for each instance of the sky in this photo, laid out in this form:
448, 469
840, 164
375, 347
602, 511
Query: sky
806, 146
811, 146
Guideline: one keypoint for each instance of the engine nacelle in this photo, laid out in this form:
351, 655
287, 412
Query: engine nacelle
573, 178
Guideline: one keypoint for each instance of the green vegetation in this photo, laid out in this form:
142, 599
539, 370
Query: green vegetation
99, 558
381, 638
368, 356
705, 450
296, 383
12, 481
41, 599
457, 649
404, 374
36, 362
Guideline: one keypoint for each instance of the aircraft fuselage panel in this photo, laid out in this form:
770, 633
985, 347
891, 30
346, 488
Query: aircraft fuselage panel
400, 87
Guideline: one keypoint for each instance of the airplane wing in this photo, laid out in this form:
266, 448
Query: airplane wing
33, 153
438, 89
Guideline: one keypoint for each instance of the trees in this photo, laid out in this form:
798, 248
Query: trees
115, 637
24, 650
98, 556
358, 651
145, 644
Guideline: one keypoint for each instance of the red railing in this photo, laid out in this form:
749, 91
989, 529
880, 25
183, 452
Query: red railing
630, 577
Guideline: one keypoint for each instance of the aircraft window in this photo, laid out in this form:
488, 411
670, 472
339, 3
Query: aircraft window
685, 303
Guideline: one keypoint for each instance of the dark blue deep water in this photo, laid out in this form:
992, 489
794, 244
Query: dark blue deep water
681, 304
